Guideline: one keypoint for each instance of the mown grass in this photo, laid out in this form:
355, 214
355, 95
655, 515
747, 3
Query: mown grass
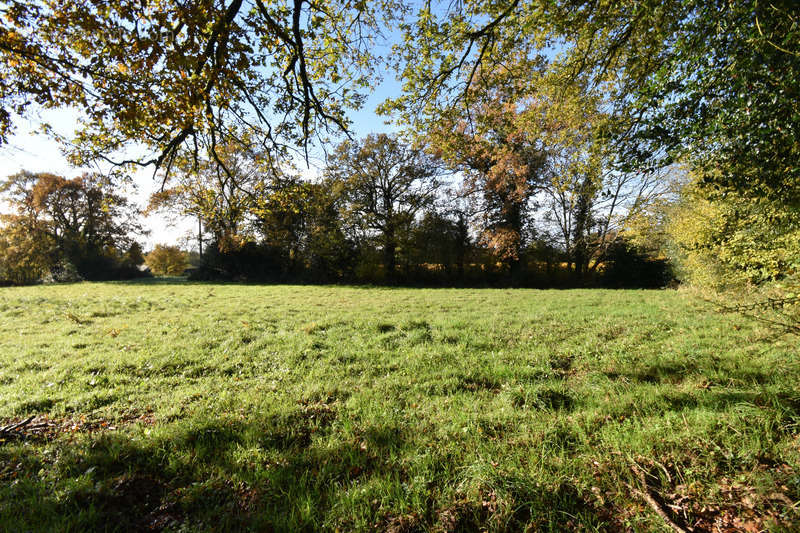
189, 407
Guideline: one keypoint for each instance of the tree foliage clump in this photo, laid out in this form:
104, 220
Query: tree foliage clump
733, 240
83, 222
165, 260
165, 75
257, 219
502, 153
24, 256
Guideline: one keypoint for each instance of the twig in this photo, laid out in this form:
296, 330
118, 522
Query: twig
7, 430
748, 310
645, 494
773, 303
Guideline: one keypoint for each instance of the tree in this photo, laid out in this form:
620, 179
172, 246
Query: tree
329, 253
591, 203
222, 192
166, 260
442, 240
161, 75
134, 256
83, 221
259, 218
303, 220
282, 219
724, 98
385, 183
24, 258
527, 139
497, 144
715, 83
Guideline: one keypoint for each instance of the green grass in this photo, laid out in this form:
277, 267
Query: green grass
222, 407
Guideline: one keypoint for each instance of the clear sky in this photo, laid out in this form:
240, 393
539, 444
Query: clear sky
34, 152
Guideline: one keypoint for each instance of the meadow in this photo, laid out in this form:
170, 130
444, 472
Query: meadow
169, 405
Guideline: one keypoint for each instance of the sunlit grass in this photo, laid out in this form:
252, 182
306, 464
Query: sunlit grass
208, 406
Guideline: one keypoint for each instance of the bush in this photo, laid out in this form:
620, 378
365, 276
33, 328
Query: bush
167, 260
62, 272
629, 267
24, 258
728, 241
248, 261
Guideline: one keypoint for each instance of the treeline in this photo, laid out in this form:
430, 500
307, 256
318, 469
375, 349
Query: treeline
387, 211
382, 211
428, 256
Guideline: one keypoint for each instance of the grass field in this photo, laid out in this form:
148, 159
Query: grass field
179, 406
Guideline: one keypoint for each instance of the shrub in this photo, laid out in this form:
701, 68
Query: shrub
631, 267
166, 260
62, 272
729, 240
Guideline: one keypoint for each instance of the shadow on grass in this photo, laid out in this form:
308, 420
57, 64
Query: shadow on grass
675, 373
288, 472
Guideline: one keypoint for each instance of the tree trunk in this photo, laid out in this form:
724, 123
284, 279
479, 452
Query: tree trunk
582, 224
200, 235
580, 262
463, 245
515, 268
389, 249
514, 222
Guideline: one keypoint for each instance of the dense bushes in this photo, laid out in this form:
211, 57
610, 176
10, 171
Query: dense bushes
630, 266
737, 248
725, 241
625, 267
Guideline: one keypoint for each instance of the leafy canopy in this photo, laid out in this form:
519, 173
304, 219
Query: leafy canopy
712, 82
161, 74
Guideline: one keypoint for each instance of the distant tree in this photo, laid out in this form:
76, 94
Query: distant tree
134, 257
503, 167
513, 143
194, 259
257, 219
330, 253
385, 184
281, 218
82, 221
591, 204
166, 260
24, 257
442, 240
538, 156
221, 191
302, 220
